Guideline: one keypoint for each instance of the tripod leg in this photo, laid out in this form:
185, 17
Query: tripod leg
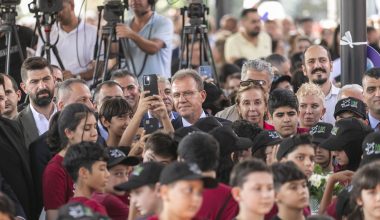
108, 49
9, 46
194, 35
182, 49
22, 55
124, 49
98, 68
56, 54
207, 45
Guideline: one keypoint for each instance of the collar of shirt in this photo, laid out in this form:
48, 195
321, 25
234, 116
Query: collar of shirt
64, 33
185, 123
373, 121
150, 22
41, 121
102, 131
333, 92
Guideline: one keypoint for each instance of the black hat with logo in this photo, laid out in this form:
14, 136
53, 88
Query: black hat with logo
320, 132
264, 139
144, 174
177, 171
350, 104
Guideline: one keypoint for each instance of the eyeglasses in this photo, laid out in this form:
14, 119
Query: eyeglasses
186, 94
253, 82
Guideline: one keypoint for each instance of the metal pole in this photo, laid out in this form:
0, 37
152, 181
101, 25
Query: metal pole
353, 60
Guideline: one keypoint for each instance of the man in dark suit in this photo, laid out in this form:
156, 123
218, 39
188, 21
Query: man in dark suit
14, 161
38, 83
70, 91
188, 95
371, 93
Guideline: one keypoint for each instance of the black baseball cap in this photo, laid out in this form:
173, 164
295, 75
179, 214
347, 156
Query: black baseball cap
346, 132
265, 138
206, 124
229, 141
143, 174
116, 157
176, 171
288, 144
351, 104
371, 148
78, 211
320, 132
183, 132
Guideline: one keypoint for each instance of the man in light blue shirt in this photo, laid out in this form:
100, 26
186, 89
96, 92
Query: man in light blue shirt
149, 40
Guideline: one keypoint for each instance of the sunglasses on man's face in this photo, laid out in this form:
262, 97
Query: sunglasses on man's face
253, 82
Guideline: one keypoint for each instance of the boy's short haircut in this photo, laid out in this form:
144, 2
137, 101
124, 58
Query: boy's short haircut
282, 98
286, 172
241, 171
162, 144
311, 89
84, 154
200, 148
115, 107
7, 206
244, 128
290, 144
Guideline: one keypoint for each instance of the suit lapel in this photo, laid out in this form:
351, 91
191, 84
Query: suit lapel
177, 123
29, 125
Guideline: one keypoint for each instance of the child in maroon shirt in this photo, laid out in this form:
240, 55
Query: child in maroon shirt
118, 166
87, 166
143, 188
75, 123
181, 190
202, 149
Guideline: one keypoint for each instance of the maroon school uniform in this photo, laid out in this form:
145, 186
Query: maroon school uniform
90, 203
124, 198
57, 185
218, 204
331, 209
116, 208
273, 212
154, 217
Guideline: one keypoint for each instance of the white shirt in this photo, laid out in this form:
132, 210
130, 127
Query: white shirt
330, 102
76, 48
185, 123
41, 121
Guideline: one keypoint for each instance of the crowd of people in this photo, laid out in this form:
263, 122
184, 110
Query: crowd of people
275, 136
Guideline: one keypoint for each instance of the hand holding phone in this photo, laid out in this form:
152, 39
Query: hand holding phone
150, 84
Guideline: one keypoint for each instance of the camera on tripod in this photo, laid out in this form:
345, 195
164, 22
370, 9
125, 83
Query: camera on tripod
196, 9
45, 6
114, 10
9, 3
196, 12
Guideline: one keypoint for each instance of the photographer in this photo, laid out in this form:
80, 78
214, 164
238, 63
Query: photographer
149, 39
76, 43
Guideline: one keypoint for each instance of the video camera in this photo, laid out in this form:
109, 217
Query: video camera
45, 6
8, 11
9, 3
114, 10
196, 11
